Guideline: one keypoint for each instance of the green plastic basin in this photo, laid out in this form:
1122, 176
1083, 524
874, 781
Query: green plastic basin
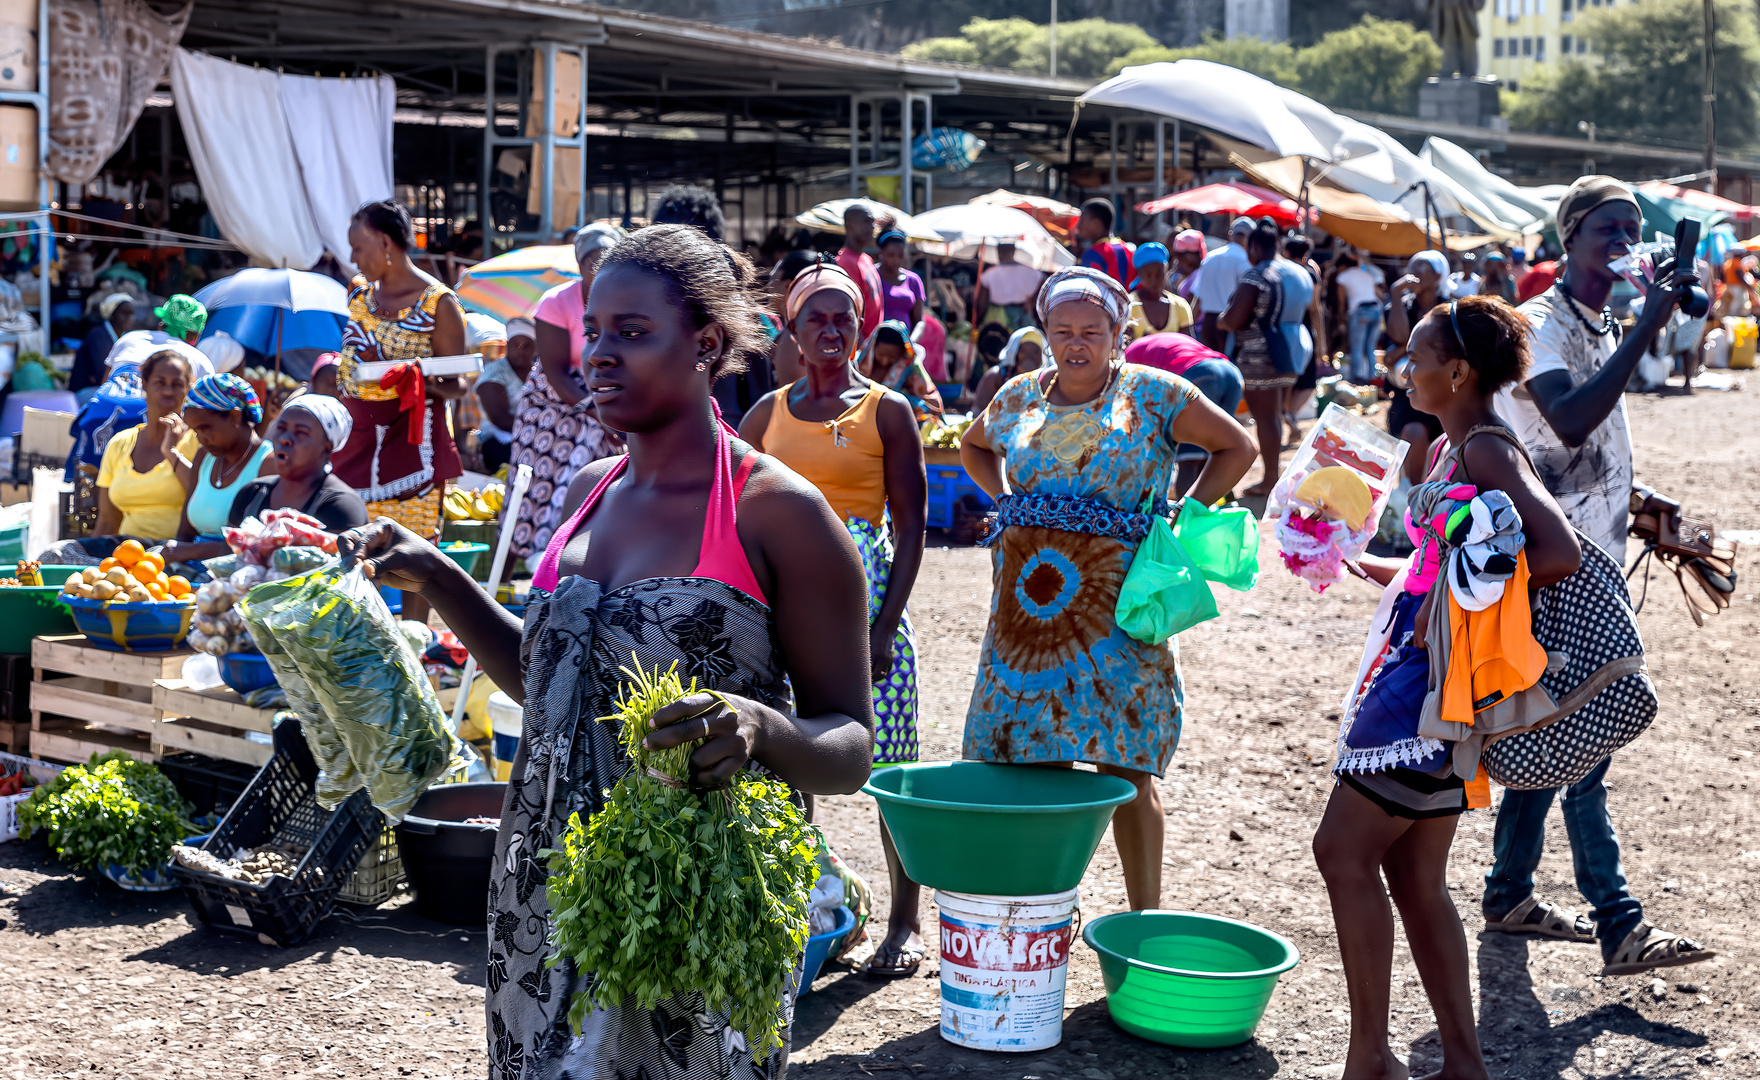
996, 830
466, 555
58, 575
1186, 979
31, 611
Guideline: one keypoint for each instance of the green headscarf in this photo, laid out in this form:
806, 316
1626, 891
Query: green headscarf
182, 315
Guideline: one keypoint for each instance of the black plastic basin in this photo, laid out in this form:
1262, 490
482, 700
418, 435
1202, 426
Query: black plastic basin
446, 861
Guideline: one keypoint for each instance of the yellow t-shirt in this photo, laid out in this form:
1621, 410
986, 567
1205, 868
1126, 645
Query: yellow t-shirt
151, 502
1179, 316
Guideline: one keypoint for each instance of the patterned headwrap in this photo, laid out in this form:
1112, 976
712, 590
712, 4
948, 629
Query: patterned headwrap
817, 278
182, 315
1088, 285
332, 416
1584, 196
223, 393
595, 237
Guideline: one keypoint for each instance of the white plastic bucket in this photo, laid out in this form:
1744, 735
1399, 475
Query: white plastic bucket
1003, 965
505, 722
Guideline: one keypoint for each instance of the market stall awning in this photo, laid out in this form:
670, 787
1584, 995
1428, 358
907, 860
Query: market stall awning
1703, 200
1358, 219
1231, 197
1059, 218
1215, 96
828, 217
509, 285
974, 231
1525, 208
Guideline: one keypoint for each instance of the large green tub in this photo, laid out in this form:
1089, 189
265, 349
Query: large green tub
1186, 979
996, 830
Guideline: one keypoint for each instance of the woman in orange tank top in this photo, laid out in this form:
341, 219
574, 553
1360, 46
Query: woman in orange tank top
857, 442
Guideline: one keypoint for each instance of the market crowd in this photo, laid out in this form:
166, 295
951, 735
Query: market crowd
728, 463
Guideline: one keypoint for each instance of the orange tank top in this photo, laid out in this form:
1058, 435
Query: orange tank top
844, 458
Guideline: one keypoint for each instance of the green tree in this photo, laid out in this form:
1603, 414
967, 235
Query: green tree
1085, 47
1273, 60
1000, 43
955, 50
1650, 82
1375, 66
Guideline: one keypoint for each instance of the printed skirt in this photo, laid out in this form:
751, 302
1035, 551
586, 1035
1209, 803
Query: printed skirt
895, 697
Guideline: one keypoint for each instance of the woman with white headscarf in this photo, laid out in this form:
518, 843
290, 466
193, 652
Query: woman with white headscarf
88, 371
308, 430
1087, 445
557, 432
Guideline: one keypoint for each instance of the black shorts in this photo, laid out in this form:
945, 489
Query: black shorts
1400, 413
1410, 794
1310, 375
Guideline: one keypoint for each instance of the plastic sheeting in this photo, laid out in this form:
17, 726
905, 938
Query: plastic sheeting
1222, 98
284, 193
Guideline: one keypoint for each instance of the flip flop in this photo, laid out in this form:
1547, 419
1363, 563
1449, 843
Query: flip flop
1535, 917
909, 958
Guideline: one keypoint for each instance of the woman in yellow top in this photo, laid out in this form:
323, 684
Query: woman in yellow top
857, 442
1155, 309
140, 495
400, 454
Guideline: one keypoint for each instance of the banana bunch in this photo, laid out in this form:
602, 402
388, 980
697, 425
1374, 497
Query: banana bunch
484, 505
943, 435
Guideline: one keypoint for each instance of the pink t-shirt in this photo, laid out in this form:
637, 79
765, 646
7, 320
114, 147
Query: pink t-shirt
933, 339
562, 306
858, 266
1172, 352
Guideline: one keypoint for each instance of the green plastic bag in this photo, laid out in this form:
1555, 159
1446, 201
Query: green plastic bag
1164, 592
1223, 543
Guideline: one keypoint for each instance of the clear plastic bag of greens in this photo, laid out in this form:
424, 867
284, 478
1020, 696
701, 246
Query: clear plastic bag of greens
333, 627
337, 776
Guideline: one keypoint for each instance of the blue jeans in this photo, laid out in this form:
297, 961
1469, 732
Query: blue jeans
1219, 381
1362, 330
1520, 838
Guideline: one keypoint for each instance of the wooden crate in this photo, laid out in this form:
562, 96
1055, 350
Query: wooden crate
86, 700
210, 722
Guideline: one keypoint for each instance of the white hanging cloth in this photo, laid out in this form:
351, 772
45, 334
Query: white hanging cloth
343, 142
283, 191
238, 139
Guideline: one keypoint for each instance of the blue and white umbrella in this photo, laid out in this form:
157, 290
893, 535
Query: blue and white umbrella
275, 310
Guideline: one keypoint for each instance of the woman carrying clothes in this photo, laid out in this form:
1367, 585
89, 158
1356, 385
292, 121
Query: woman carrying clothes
223, 411
400, 454
556, 431
1394, 810
1267, 369
1084, 446
309, 429
693, 549
857, 442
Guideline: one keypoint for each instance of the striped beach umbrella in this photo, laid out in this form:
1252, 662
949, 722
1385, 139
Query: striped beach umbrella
509, 285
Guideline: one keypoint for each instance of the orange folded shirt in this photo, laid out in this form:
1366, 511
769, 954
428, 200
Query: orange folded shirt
1492, 655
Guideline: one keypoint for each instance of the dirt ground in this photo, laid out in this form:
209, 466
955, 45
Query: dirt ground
103, 983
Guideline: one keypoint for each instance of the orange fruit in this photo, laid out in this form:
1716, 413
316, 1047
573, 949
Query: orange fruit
163, 581
156, 592
129, 552
144, 573
156, 560
178, 586
105, 566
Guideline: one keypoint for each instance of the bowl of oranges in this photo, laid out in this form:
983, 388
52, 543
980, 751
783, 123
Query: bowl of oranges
128, 603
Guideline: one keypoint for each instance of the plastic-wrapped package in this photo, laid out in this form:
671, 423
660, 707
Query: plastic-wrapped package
1315, 537
337, 776
292, 561
332, 630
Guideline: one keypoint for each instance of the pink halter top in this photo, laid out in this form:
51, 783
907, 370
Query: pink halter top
721, 558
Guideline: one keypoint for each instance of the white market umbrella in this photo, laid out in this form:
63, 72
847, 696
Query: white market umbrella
1225, 99
290, 290
828, 217
975, 230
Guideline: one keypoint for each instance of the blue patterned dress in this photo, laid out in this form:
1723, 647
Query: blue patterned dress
1058, 680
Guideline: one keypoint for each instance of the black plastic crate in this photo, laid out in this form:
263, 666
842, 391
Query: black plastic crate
15, 687
281, 807
211, 785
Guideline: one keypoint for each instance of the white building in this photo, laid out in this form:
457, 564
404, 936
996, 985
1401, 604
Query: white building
1521, 38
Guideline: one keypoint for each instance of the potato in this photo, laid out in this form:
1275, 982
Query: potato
84, 592
119, 577
103, 590
139, 595
90, 575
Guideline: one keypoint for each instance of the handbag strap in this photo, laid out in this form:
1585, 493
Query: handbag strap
1457, 454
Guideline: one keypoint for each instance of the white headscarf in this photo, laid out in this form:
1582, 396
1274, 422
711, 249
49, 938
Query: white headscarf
223, 350
480, 329
107, 306
331, 414
522, 326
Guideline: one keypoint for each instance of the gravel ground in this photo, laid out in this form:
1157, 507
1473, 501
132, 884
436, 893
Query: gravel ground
104, 983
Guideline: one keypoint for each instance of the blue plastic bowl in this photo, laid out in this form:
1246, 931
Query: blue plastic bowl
147, 626
159, 878
821, 946
246, 671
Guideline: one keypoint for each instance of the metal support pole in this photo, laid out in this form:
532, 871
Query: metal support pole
928, 125
486, 205
1160, 157
582, 211
1709, 95
1112, 186
906, 119
1052, 37
1176, 150
547, 142
855, 146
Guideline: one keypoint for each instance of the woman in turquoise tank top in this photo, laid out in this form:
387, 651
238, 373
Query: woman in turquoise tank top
224, 413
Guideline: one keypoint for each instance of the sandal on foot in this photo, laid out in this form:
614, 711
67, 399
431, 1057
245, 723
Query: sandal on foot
904, 965
1539, 918
1648, 948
